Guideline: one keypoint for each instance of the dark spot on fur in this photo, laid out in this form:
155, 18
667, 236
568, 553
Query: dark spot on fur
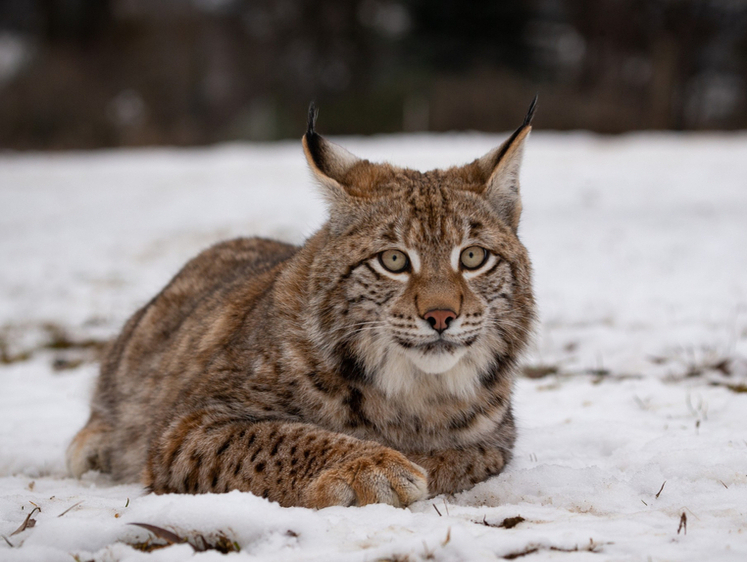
266, 493
190, 481
318, 383
239, 466
275, 447
404, 343
462, 421
224, 446
260, 467
501, 364
350, 368
354, 402
293, 411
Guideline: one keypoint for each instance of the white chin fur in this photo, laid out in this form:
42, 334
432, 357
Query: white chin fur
435, 363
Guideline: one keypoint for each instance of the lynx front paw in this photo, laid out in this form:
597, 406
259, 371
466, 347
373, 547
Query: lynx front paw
382, 476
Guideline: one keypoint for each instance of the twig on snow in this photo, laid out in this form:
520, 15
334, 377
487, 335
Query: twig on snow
27, 523
70, 508
683, 523
161, 533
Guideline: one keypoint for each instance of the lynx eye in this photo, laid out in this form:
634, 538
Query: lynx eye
394, 260
473, 257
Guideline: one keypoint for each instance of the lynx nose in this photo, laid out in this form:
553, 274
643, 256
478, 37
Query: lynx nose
439, 319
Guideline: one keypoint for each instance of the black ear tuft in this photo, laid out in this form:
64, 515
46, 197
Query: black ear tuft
311, 123
498, 155
314, 141
530, 113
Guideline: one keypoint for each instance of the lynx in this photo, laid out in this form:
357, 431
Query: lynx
373, 364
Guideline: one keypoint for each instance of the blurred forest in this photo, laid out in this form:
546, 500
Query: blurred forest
104, 73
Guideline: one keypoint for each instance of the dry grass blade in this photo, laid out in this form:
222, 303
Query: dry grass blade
683, 524
437, 511
529, 550
70, 508
221, 543
660, 490
27, 523
199, 543
10, 544
539, 371
511, 522
507, 523
161, 533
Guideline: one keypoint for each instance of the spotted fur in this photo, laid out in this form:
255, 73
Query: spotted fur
309, 375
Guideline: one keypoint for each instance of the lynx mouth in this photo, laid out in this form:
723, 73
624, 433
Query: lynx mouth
435, 357
436, 346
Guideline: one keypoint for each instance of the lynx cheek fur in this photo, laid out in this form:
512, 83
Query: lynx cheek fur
373, 364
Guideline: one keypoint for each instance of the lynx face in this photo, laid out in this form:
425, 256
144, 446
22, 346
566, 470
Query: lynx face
421, 273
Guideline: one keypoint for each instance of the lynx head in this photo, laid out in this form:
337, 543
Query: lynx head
422, 281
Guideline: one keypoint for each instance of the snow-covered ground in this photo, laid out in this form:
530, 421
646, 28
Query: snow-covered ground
638, 374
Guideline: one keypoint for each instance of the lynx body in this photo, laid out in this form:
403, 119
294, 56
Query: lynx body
374, 363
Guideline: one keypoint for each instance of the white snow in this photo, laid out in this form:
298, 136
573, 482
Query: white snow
639, 245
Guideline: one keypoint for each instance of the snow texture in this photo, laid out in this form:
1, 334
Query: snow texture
632, 420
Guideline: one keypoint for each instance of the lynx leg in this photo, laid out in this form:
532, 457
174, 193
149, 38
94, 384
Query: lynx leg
292, 463
88, 449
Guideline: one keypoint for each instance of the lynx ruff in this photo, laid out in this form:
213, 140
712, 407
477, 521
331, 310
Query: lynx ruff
374, 363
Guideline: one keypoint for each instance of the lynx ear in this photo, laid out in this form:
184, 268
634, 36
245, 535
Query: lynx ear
329, 161
499, 169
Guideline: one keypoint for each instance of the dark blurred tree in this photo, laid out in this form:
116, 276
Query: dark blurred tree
88, 73
460, 36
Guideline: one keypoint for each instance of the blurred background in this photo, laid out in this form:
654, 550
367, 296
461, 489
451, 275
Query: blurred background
107, 73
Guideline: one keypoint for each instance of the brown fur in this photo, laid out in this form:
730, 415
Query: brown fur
308, 375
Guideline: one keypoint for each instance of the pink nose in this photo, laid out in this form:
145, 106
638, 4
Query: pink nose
439, 319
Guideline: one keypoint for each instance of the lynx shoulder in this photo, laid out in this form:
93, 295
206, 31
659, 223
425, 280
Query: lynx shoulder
374, 363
